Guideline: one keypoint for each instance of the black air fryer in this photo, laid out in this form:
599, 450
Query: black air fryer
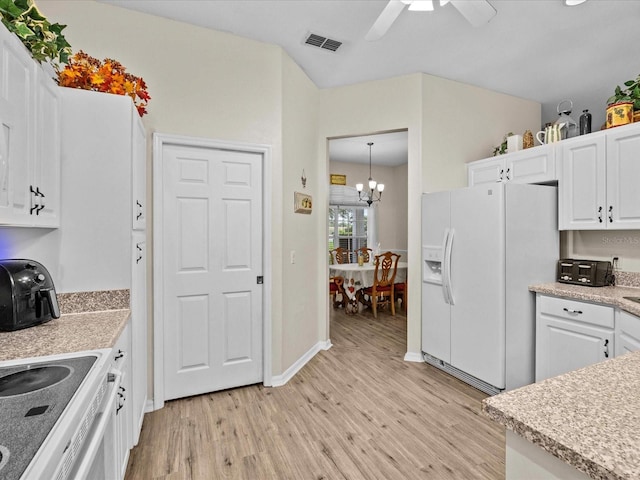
27, 295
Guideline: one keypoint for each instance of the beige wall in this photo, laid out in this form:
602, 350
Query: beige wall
216, 85
374, 107
392, 218
449, 124
211, 84
300, 232
604, 245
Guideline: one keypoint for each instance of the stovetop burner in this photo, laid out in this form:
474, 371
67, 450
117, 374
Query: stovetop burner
33, 379
33, 398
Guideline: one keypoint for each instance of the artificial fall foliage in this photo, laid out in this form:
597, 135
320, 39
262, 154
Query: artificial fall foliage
109, 76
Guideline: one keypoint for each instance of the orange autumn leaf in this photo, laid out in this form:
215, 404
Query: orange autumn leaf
109, 76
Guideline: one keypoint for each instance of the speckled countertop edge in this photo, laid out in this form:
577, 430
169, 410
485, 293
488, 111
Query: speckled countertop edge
78, 302
89, 321
589, 418
612, 296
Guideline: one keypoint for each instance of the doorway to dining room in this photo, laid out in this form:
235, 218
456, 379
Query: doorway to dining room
353, 222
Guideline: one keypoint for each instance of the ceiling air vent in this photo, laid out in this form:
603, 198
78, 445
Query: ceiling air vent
322, 42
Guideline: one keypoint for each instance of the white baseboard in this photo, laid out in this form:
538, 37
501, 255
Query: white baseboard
413, 357
148, 406
280, 380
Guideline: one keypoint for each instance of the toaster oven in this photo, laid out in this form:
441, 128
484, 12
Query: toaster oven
590, 273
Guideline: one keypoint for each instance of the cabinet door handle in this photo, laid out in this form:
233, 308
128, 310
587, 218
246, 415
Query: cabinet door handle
138, 259
600, 214
571, 310
34, 204
41, 195
508, 176
139, 210
501, 174
606, 348
610, 213
119, 355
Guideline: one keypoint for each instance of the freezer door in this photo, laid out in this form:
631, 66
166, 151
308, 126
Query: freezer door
436, 326
477, 282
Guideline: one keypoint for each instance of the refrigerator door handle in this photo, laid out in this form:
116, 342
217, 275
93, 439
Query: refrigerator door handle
447, 267
445, 242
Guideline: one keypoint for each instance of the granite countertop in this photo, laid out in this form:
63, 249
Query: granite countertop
605, 295
589, 418
90, 321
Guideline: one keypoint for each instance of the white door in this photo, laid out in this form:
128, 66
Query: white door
212, 256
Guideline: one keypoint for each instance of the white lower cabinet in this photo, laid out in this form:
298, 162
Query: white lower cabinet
571, 335
627, 333
123, 425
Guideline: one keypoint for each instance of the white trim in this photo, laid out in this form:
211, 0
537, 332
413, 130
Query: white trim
280, 380
149, 406
413, 357
159, 141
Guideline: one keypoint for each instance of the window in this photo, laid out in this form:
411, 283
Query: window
347, 227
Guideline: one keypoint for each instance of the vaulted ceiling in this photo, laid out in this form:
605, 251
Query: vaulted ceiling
540, 50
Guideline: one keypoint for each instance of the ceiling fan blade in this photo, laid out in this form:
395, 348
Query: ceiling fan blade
477, 12
385, 20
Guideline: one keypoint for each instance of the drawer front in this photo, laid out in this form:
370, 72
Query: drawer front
577, 311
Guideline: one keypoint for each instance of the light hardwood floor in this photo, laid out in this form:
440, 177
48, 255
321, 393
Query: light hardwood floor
356, 411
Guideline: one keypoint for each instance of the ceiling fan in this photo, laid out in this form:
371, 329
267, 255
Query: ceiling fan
477, 13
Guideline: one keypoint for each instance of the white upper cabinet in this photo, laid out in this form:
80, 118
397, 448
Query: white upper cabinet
599, 179
16, 111
46, 168
139, 177
623, 178
30, 144
533, 165
582, 185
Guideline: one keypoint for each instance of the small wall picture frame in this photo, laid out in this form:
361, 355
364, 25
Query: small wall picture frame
336, 179
302, 203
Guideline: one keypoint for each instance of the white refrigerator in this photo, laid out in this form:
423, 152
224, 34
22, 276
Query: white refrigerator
481, 248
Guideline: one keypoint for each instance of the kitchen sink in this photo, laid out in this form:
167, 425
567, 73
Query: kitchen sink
633, 299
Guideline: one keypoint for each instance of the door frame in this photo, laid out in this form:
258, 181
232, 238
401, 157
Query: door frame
160, 140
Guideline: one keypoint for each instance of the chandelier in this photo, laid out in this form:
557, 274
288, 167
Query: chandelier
375, 189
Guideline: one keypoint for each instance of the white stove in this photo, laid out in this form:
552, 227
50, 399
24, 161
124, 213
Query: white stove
48, 409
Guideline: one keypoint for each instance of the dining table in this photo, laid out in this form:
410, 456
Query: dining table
358, 276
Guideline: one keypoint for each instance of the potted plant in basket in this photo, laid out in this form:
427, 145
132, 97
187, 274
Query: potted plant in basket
623, 103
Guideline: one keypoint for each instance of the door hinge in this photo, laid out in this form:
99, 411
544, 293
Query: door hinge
260, 280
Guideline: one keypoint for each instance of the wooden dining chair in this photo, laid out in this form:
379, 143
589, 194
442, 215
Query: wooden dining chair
365, 252
341, 255
400, 293
384, 274
336, 287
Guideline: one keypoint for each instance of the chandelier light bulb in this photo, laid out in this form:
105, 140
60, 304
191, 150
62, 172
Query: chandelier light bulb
359, 187
380, 187
372, 183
